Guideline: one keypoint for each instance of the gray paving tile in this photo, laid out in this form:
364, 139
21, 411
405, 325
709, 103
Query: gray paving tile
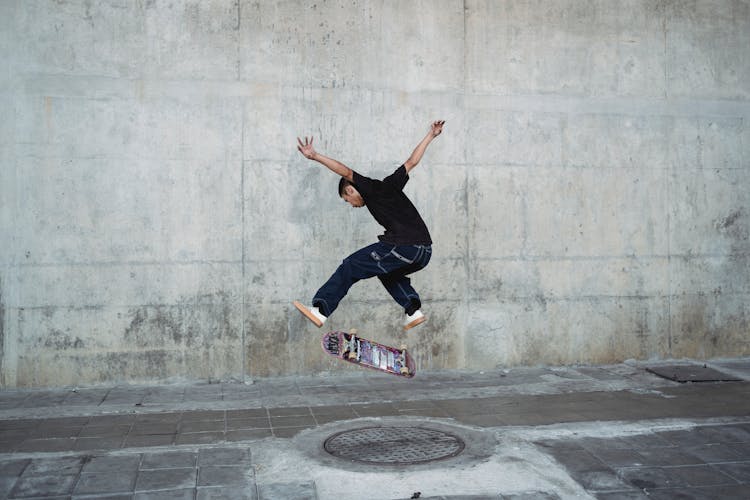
13, 467
622, 495
739, 471
528, 495
45, 432
36, 400
202, 426
648, 478
248, 423
9, 446
110, 420
689, 437
169, 460
190, 416
713, 453
43, 486
104, 430
683, 494
699, 475
247, 435
619, 457
172, 494
103, 496
294, 411
153, 428
159, 418
249, 413
98, 443
112, 463
578, 460
326, 419
105, 482
223, 475
288, 491
199, 438
599, 480
85, 397
293, 421
166, 479
727, 434
645, 441
58, 465
486, 420
227, 493
668, 456
224, 456
6, 485
145, 441
735, 492
287, 432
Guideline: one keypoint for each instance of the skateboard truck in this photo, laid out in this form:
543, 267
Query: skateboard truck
353, 345
402, 360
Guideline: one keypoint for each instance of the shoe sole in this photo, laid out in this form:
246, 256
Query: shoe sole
416, 322
308, 314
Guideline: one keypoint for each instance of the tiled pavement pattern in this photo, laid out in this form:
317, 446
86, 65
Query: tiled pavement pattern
206, 427
173, 441
207, 473
708, 463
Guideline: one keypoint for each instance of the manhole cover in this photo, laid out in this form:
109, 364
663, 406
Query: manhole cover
393, 445
691, 373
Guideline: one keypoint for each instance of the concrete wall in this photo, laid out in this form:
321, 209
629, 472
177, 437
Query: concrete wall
589, 199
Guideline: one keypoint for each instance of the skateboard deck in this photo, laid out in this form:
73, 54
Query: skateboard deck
354, 349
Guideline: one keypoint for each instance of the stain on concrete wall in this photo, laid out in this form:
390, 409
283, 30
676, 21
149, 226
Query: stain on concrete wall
588, 199
2, 329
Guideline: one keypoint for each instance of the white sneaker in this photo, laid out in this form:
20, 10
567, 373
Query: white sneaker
413, 320
312, 313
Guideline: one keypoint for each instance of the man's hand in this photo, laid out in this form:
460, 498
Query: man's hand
437, 128
306, 148
416, 156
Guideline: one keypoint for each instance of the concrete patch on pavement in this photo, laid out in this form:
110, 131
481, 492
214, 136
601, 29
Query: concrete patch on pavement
491, 464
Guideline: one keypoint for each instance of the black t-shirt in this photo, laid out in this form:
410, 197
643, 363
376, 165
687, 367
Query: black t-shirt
392, 209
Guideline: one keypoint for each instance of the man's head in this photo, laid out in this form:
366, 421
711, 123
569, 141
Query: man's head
350, 194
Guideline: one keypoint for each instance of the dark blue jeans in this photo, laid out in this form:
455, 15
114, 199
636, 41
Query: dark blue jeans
390, 263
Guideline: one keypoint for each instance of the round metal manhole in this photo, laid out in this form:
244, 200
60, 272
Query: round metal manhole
393, 445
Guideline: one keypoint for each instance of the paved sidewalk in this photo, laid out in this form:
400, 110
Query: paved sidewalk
606, 432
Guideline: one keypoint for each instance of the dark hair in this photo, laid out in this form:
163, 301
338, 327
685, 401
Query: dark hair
342, 186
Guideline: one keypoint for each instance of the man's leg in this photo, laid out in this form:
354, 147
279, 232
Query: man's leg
378, 259
399, 287
398, 284
362, 264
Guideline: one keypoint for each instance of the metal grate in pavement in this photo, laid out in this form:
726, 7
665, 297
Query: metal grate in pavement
394, 445
691, 373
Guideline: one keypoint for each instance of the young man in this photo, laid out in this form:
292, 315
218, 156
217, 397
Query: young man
404, 248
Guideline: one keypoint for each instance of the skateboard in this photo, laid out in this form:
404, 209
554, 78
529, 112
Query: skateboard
354, 349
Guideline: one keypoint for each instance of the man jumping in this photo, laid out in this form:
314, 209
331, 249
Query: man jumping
404, 248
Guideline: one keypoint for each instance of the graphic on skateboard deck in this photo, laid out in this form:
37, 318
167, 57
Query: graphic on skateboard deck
359, 351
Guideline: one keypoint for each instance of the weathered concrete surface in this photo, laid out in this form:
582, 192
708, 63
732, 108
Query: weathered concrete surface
588, 199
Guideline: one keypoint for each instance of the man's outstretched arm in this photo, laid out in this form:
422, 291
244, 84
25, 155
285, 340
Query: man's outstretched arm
335, 166
435, 130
